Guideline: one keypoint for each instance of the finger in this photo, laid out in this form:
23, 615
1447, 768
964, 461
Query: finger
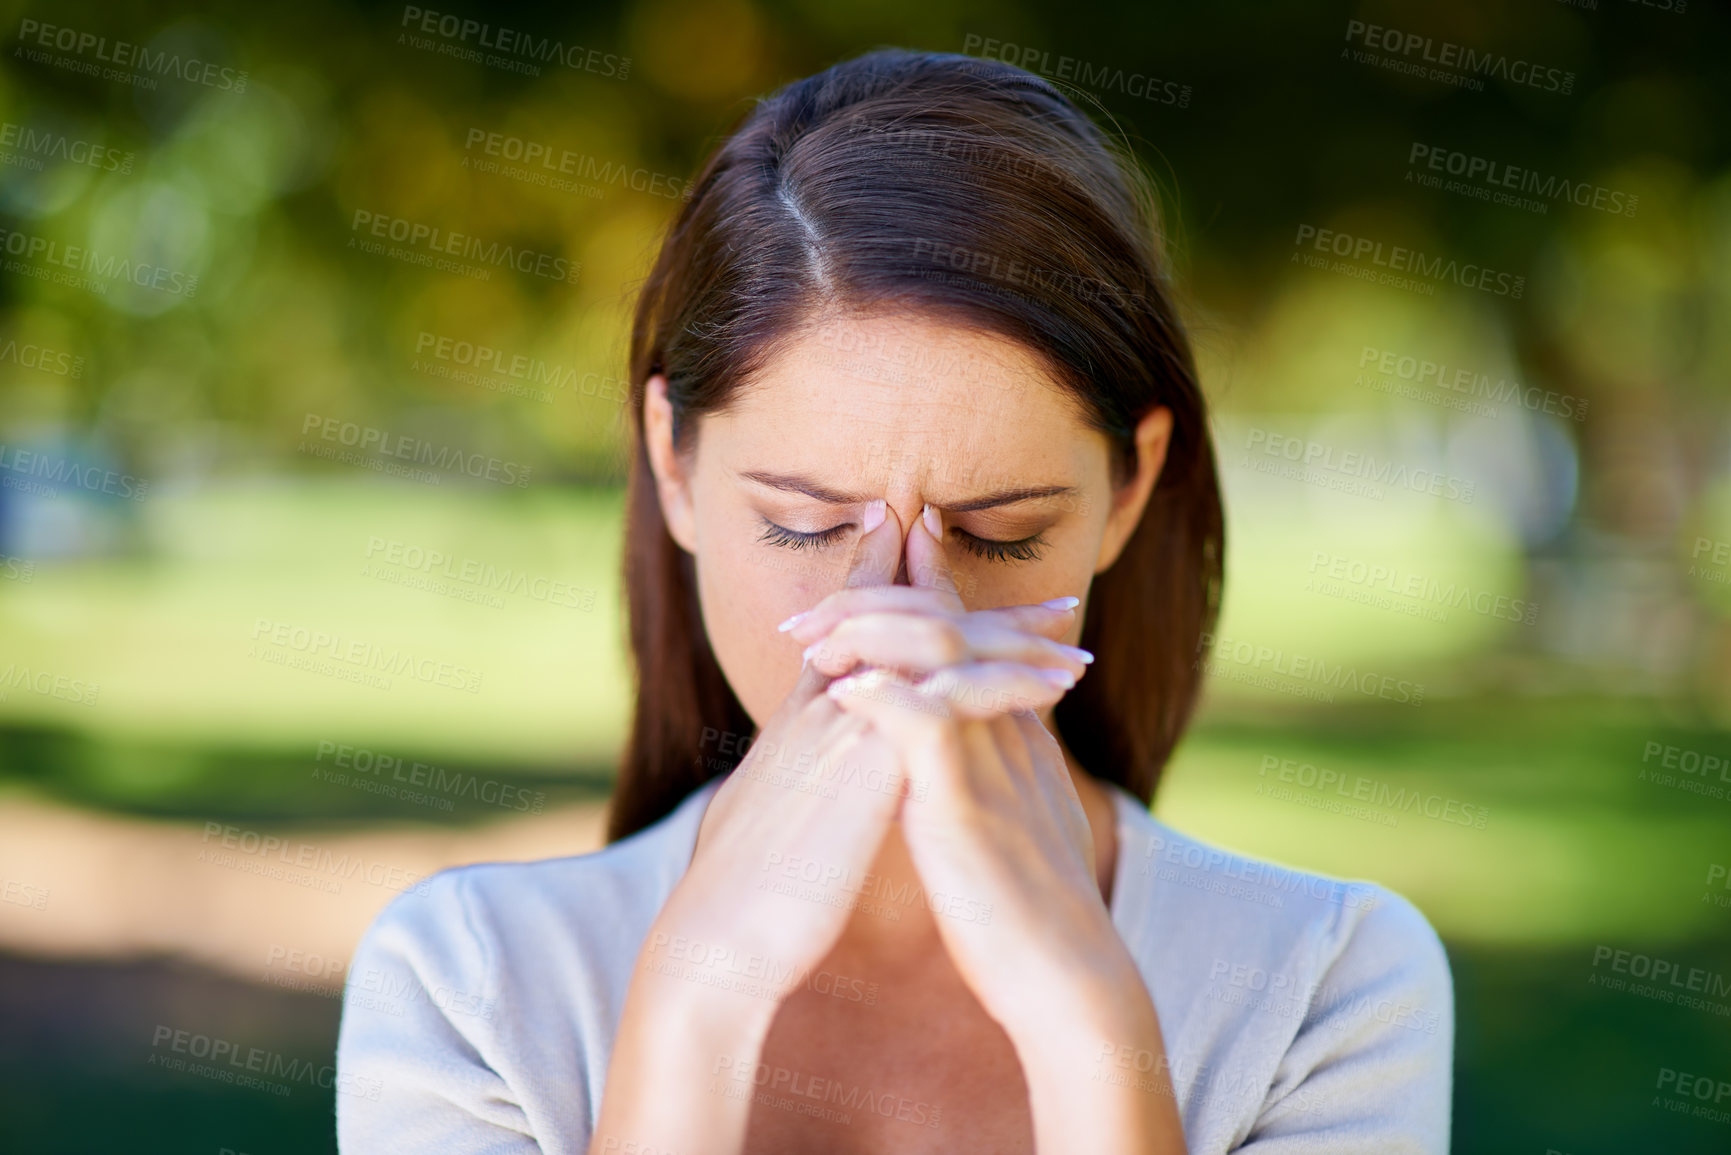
876, 557
979, 690
1059, 619
878, 553
921, 643
988, 689
918, 727
928, 565
1054, 619
822, 618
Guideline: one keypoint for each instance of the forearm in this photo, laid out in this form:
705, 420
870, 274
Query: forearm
1096, 1070
671, 1086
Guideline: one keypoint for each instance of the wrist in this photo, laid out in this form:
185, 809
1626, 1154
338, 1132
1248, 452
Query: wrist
1094, 986
1101, 1080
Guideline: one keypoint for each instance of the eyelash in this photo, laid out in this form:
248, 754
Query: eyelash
1026, 549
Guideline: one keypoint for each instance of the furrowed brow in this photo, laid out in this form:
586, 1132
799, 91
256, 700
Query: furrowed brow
798, 483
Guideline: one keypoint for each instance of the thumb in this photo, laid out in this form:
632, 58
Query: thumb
878, 553
876, 557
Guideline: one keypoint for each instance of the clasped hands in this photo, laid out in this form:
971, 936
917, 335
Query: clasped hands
903, 678
905, 682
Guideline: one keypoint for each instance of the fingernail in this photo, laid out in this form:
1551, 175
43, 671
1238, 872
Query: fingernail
873, 516
934, 523
791, 622
1077, 652
1062, 603
1062, 679
809, 651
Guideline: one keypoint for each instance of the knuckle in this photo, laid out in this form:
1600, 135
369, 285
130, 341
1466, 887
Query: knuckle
948, 642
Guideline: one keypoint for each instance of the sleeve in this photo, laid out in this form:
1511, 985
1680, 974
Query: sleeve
413, 1052
1371, 1069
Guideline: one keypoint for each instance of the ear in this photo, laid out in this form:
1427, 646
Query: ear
1153, 434
672, 484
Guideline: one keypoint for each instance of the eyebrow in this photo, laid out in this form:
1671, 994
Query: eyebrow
796, 483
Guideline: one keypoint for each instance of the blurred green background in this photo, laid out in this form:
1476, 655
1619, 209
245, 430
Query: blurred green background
171, 515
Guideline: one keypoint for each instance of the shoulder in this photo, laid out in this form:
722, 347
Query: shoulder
462, 917
1302, 1001
1262, 910
483, 1001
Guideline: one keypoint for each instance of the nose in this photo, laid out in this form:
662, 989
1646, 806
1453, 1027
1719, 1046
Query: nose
908, 506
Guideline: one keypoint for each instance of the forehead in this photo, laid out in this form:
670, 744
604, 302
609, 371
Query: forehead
847, 387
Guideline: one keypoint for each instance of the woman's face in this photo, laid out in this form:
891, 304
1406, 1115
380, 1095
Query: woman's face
770, 497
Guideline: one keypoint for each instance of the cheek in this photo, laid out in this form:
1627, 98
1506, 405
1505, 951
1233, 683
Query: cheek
1065, 567
747, 589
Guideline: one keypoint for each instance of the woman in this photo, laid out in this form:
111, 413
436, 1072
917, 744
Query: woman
915, 415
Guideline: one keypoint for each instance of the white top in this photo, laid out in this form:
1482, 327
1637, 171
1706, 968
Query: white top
1300, 1013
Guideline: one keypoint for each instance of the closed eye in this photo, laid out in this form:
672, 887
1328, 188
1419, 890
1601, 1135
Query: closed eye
991, 549
1023, 549
793, 539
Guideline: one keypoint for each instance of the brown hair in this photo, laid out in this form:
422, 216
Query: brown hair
948, 186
